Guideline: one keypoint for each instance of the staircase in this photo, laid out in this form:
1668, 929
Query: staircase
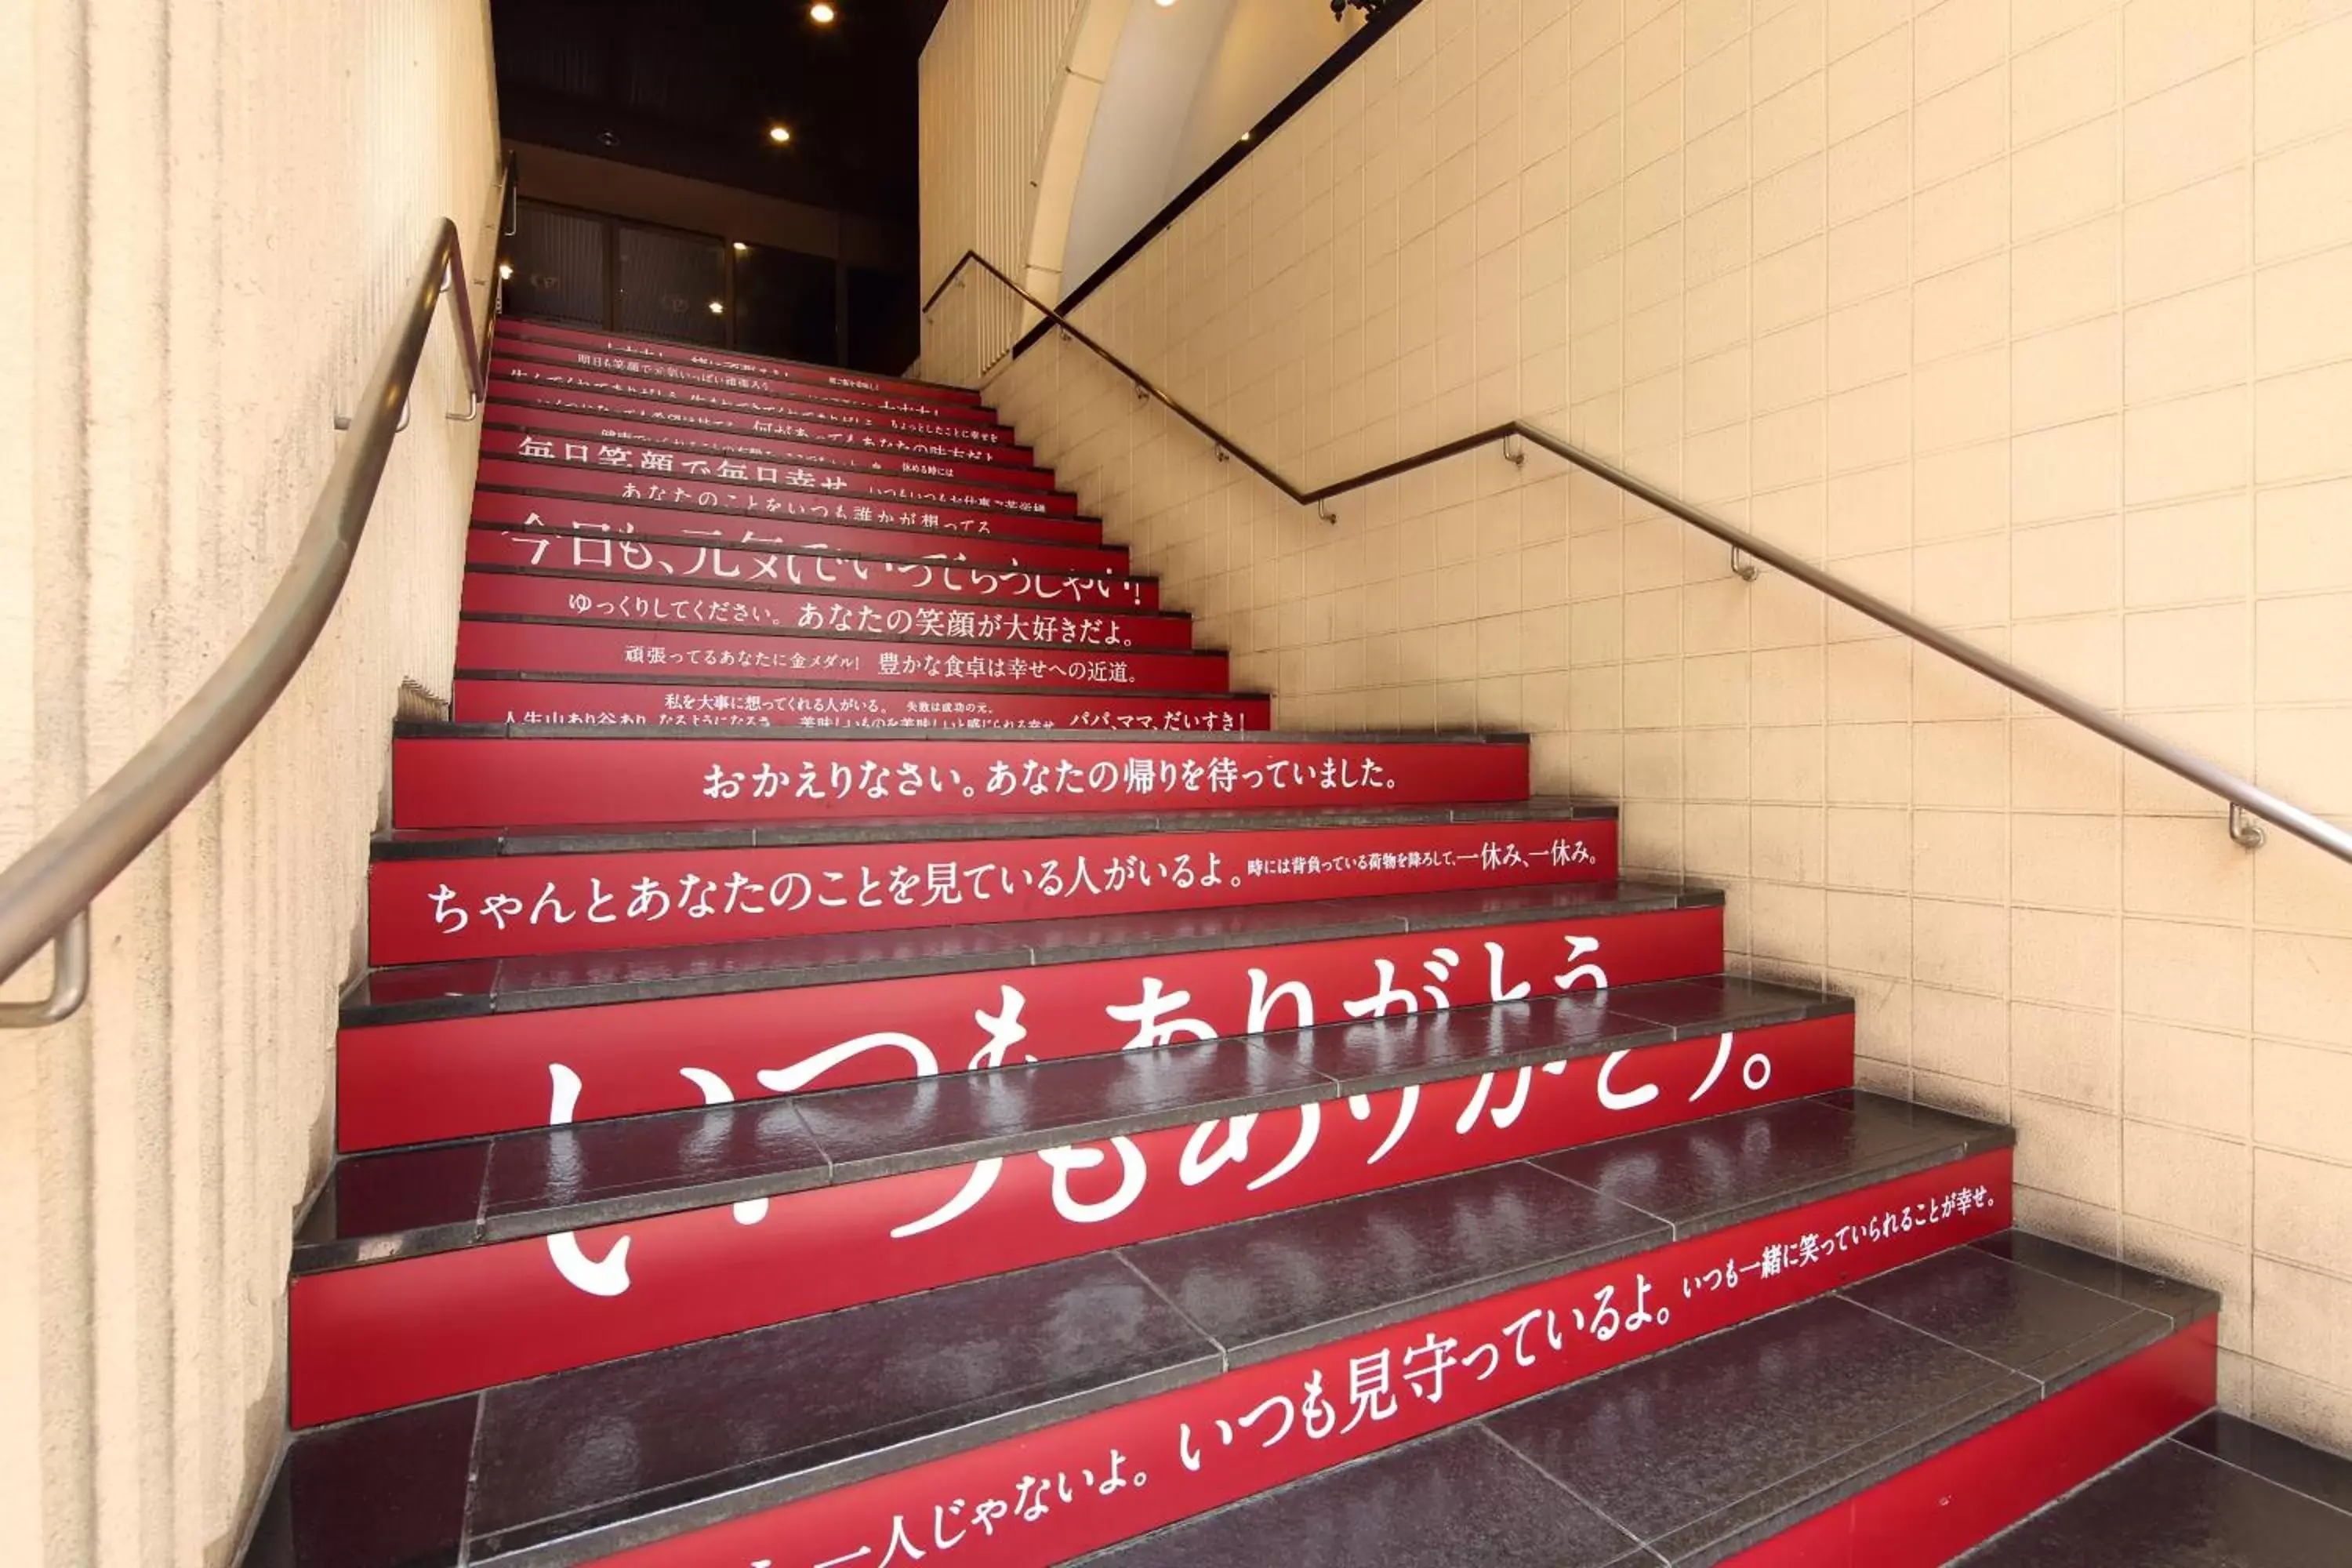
875, 1054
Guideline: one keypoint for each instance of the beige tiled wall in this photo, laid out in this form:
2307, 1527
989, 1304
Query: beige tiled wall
2033, 316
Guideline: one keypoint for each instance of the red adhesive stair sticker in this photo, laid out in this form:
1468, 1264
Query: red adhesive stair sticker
712, 493
831, 614
686, 706
668, 464
435, 911
1080, 1485
475, 782
421, 1082
635, 528
1934, 1511
516, 329
607, 558
810, 405
669, 436
685, 654
380, 1335
518, 396
666, 372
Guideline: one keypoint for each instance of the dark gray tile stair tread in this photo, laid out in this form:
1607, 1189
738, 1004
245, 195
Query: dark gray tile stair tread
2175, 1297
1768, 1154
405, 1202
441, 728
2276, 1458
2176, 1506
1454, 1238
388, 1492
783, 963
814, 1404
1721, 1442
411, 842
1454, 1499
1710, 1446
980, 1353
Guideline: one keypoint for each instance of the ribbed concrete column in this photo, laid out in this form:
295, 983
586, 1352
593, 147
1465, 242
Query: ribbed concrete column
216, 203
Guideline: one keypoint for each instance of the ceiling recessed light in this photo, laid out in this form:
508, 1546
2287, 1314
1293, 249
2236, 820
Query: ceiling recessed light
779, 134
1163, 5
741, 249
822, 13
718, 307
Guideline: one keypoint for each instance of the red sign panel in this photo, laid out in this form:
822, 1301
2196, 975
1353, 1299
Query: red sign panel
435, 911
670, 465
513, 330
718, 492
820, 424
378, 1335
455, 1077
631, 527
695, 705
469, 782
691, 605
671, 435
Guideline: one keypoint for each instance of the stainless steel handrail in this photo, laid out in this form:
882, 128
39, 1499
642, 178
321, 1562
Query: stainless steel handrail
2247, 800
45, 896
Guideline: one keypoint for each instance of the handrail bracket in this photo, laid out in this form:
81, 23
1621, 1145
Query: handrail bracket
2246, 829
68, 980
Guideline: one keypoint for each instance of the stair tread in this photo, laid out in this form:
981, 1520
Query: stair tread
724, 1427
716, 352
1719, 1443
562, 980
448, 843
2223, 1491
786, 683
400, 1202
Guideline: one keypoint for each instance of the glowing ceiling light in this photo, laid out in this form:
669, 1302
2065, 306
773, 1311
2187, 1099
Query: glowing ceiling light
822, 13
506, 268
1163, 5
741, 249
779, 134
718, 307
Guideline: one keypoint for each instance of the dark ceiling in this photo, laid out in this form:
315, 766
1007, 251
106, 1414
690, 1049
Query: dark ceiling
691, 87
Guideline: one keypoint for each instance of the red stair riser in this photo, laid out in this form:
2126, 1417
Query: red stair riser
435, 911
683, 375
566, 518
685, 654
603, 557
1193, 1453
695, 706
696, 605
603, 427
683, 498
515, 328
1930, 1513
457, 1078
499, 783
399, 1332
671, 465
507, 373
818, 426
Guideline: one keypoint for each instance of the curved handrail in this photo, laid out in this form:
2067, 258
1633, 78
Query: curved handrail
2245, 799
45, 896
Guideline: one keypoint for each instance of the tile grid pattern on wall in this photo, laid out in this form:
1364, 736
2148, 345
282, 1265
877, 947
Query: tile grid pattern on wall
2029, 317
